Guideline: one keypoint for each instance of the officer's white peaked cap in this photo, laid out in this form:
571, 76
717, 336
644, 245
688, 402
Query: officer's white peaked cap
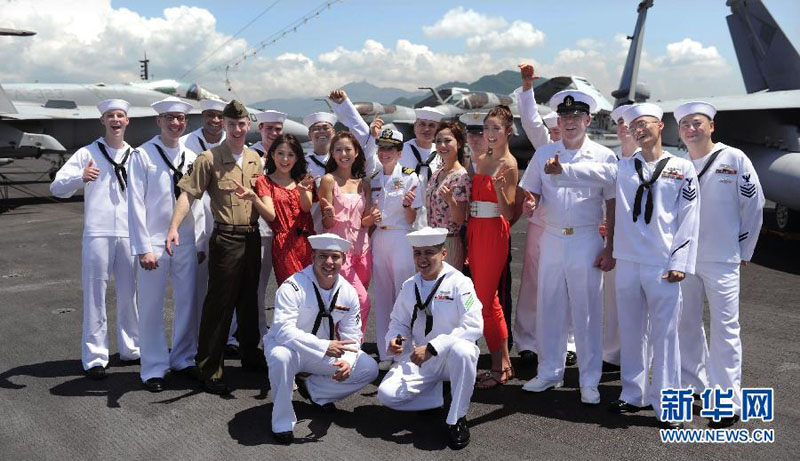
113, 104
427, 236
694, 107
329, 242
472, 118
171, 104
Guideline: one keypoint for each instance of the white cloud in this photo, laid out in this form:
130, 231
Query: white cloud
589, 44
518, 36
459, 22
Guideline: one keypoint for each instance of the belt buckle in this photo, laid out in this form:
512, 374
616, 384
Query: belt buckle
568, 231
384, 227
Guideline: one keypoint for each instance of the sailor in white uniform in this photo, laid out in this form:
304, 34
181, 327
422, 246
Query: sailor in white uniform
156, 168
572, 252
316, 330
434, 340
655, 245
730, 221
208, 136
418, 153
101, 169
320, 130
397, 194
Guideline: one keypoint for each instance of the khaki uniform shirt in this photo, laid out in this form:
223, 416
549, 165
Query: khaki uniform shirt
213, 172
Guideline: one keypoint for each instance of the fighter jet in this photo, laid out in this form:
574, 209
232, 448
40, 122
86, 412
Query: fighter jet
765, 123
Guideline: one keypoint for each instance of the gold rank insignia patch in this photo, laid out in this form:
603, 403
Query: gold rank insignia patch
408, 170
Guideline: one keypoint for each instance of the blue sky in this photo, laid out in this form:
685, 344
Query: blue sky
386, 43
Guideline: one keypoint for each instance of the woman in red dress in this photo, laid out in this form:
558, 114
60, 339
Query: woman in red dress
283, 198
491, 208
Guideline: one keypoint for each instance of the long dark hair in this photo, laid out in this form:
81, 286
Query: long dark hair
359, 164
458, 134
502, 112
300, 167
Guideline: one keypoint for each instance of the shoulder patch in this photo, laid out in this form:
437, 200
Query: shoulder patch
469, 300
375, 174
291, 283
189, 169
689, 192
408, 170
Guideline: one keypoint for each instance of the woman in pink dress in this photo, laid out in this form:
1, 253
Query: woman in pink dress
447, 197
283, 198
347, 211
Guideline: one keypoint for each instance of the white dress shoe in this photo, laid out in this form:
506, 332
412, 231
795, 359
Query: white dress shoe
590, 395
541, 385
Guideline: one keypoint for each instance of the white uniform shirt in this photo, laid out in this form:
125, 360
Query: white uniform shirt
105, 205
455, 307
296, 311
568, 206
408, 160
388, 192
670, 239
201, 209
732, 211
316, 165
348, 115
151, 195
532, 122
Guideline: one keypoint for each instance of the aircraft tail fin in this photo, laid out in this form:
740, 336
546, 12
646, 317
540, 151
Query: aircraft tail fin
767, 59
628, 91
6, 106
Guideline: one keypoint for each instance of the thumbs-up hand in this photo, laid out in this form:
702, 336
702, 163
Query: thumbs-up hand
372, 217
530, 203
408, 199
553, 166
90, 172
326, 208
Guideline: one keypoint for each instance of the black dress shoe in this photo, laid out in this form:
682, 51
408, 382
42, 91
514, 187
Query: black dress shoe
216, 386
154, 384
670, 425
459, 434
724, 422
429, 413
285, 438
609, 367
302, 389
231, 351
621, 406
527, 359
96, 373
572, 359
255, 365
329, 408
128, 363
192, 371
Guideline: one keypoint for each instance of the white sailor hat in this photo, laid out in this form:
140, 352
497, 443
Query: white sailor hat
317, 117
212, 104
329, 242
428, 113
270, 116
171, 104
616, 114
427, 237
573, 102
640, 110
550, 119
389, 138
694, 107
472, 119
113, 104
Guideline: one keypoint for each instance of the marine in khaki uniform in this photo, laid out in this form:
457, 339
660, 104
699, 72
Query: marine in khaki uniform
234, 248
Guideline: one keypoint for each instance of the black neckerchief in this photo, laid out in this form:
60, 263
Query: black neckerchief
637, 202
708, 163
420, 163
202, 144
314, 159
176, 172
119, 168
323, 312
420, 306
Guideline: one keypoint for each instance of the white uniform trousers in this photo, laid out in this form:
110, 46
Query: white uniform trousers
722, 364
643, 294
525, 322
610, 322
181, 269
407, 387
100, 258
263, 281
570, 286
392, 264
285, 363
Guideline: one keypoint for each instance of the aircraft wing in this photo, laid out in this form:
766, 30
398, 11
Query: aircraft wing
755, 101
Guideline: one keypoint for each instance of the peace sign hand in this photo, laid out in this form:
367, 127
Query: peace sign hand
447, 194
242, 193
499, 180
307, 183
530, 203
